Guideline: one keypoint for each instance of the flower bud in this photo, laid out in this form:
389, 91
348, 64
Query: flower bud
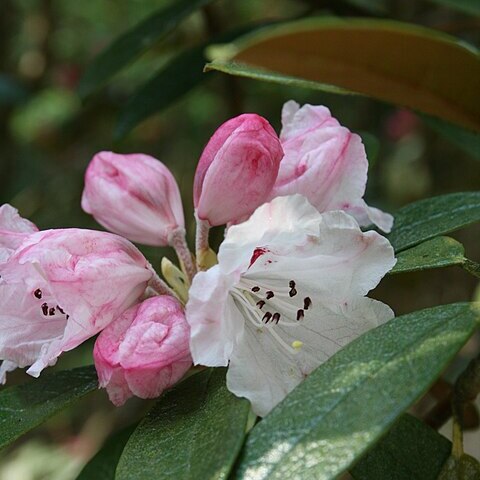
145, 351
135, 196
61, 287
237, 170
326, 163
13, 230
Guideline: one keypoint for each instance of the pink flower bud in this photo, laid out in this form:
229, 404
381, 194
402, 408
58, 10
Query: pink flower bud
237, 169
145, 351
61, 287
133, 195
326, 163
13, 230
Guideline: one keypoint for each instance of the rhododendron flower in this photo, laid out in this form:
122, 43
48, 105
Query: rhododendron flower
237, 170
326, 163
13, 230
135, 196
288, 292
145, 351
61, 287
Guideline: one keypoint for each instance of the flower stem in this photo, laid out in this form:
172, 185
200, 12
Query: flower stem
157, 284
179, 243
202, 247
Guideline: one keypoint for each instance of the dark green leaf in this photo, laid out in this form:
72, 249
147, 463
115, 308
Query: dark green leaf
333, 417
182, 74
411, 450
131, 44
104, 464
194, 432
26, 406
425, 219
374, 6
467, 140
395, 62
467, 6
12, 91
435, 253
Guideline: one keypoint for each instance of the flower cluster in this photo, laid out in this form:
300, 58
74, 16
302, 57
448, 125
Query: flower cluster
285, 292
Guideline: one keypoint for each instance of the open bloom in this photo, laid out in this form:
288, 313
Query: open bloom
13, 230
135, 196
145, 351
61, 287
326, 163
237, 169
288, 292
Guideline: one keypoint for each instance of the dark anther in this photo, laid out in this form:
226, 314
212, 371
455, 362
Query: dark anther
292, 292
44, 308
291, 284
307, 303
260, 304
68, 316
300, 314
60, 309
266, 318
38, 293
255, 289
269, 295
276, 317
51, 311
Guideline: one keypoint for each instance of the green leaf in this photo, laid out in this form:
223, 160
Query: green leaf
467, 6
131, 44
411, 450
182, 74
104, 464
435, 253
467, 140
431, 217
26, 406
194, 432
333, 417
399, 63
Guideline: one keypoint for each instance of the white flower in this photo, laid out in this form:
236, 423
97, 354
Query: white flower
288, 292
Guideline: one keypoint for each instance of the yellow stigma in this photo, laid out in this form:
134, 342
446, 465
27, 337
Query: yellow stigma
297, 344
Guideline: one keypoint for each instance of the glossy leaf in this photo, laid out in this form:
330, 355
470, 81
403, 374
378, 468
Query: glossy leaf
435, 253
26, 406
135, 41
104, 464
345, 406
194, 432
431, 217
411, 450
467, 140
399, 63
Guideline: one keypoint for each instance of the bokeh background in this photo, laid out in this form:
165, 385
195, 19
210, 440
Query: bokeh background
48, 135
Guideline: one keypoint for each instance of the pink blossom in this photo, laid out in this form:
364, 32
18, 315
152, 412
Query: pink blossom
237, 169
61, 287
13, 230
145, 351
135, 196
326, 163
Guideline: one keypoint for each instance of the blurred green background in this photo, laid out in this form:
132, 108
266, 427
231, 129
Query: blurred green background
48, 135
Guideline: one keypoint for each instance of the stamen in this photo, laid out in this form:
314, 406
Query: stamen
292, 292
307, 302
266, 318
60, 309
297, 344
276, 317
269, 295
37, 293
291, 284
300, 315
45, 309
51, 311
255, 289
260, 304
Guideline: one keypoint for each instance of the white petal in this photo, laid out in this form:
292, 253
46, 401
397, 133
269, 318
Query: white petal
5, 367
215, 322
280, 221
263, 371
